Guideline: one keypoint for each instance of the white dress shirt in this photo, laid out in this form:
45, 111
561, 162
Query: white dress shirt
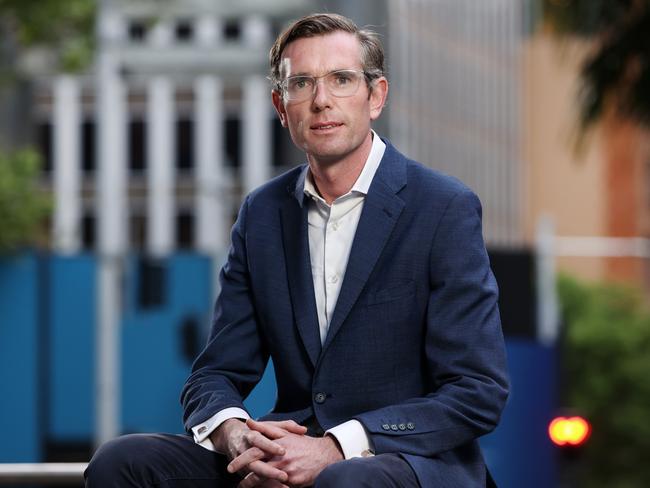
331, 232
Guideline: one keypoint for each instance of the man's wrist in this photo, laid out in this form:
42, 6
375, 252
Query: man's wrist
333, 448
221, 434
352, 438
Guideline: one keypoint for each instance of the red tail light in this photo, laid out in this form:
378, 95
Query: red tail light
569, 431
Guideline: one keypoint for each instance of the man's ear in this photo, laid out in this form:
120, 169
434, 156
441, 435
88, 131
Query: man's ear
276, 97
378, 96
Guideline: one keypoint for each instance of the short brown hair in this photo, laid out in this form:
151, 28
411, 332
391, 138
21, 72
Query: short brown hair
372, 52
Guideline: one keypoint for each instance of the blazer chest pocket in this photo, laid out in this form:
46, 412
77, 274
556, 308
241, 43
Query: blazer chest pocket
391, 293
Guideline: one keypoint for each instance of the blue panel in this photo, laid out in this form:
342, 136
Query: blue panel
154, 366
519, 452
262, 398
19, 355
72, 348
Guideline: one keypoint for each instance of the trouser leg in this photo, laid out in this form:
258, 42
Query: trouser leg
160, 460
383, 471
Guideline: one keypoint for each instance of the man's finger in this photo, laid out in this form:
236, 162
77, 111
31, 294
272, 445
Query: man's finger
275, 430
264, 470
270, 430
292, 426
245, 458
252, 480
259, 439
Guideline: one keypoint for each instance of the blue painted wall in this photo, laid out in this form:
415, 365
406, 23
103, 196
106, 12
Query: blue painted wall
154, 367
519, 452
19, 359
262, 398
72, 321
47, 324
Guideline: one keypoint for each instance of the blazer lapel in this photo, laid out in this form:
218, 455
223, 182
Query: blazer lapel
381, 210
295, 238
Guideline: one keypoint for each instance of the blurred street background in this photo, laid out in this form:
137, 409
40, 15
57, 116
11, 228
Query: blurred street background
130, 130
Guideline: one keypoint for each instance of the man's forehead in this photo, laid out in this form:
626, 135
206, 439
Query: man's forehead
321, 54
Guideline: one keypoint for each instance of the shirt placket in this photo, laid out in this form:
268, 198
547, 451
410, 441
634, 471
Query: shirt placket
329, 265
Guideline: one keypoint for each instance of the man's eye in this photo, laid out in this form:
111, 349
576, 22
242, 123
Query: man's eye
343, 79
299, 84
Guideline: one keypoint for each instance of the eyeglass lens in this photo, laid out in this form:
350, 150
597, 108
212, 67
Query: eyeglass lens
341, 83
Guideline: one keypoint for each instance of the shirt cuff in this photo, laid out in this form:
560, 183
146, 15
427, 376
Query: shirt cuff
203, 430
353, 439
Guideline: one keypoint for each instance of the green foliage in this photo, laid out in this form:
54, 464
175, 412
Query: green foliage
607, 359
23, 205
586, 17
66, 26
617, 73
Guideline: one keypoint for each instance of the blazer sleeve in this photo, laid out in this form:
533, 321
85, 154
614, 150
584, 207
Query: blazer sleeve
234, 358
464, 346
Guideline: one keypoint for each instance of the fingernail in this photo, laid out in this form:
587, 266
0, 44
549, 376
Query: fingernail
229, 468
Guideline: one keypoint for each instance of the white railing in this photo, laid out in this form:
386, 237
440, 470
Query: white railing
42, 473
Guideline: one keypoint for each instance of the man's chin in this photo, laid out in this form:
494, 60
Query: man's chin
327, 151
326, 158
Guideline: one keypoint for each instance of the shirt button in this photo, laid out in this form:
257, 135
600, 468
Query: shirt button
402, 426
320, 398
385, 427
334, 279
410, 426
335, 226
394, 427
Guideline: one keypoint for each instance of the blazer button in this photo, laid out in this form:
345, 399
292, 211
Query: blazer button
402, 426
394, 427
410, 426
320, 398
385, 427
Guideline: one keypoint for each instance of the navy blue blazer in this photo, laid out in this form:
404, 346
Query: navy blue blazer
414, 350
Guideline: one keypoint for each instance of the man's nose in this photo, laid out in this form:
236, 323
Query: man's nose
322, 95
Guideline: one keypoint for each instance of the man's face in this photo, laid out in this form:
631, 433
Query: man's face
328, 128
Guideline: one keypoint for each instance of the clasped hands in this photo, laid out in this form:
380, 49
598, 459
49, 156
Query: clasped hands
274, 454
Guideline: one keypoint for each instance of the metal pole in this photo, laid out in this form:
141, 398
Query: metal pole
67, 167
161, 119
111, 186
256, 120
547, 301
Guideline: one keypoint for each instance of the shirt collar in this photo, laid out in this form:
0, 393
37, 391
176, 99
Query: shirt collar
362, 185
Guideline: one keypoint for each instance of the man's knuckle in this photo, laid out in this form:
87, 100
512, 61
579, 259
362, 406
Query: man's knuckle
296, 480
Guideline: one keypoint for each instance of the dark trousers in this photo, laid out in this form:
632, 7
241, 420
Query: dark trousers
175, 461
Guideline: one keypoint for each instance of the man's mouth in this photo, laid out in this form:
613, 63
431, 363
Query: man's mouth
325, 125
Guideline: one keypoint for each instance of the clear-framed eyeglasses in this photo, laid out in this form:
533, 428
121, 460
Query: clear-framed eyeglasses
340, 83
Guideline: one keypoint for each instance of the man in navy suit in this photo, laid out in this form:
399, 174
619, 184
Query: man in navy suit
364, 276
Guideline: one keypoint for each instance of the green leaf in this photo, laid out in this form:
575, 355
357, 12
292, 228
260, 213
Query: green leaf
606, 354
23, 205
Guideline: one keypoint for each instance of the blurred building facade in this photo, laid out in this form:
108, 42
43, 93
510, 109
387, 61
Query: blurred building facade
456, 100
152, 149
189, 122
595, 185
476, 91
483, 91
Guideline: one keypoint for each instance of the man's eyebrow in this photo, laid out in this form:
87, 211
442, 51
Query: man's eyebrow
305, 73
